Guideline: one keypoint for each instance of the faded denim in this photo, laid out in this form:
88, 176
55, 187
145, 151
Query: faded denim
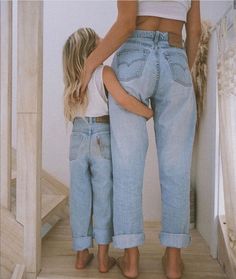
90, 183
152, 70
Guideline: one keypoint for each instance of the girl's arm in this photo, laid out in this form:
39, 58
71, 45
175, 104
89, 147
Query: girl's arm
119, 32
125, 100
193, 31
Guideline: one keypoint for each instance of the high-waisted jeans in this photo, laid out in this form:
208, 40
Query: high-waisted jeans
90, 183
152, 70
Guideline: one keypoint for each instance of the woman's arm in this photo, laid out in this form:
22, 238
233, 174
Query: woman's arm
193, 31
122, 28
125, 100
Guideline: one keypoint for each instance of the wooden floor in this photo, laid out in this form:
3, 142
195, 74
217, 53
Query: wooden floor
58, 257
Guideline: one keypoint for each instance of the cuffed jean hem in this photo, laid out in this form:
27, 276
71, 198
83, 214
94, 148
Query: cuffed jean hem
128, 240
82, 242
175, 240
103, 236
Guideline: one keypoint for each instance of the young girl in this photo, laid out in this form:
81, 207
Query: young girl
90, 154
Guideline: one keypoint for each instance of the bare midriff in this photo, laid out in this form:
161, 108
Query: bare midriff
152, 23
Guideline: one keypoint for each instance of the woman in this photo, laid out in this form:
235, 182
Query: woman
152, 64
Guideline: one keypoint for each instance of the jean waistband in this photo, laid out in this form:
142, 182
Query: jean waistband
89, 125
168, 38
90, 120
153, 35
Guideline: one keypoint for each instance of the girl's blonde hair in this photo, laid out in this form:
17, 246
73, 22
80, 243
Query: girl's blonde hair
75, 51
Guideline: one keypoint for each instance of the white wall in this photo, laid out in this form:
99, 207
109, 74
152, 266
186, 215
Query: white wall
206, 156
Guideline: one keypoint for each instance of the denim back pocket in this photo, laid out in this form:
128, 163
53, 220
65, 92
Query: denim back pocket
76, 140
130, 63
178, 63
104, 141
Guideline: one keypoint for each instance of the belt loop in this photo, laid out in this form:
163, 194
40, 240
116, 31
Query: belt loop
84, 119
156, 37
87, 119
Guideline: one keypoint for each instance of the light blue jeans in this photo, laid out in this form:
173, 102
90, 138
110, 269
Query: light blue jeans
152, 70
90, 183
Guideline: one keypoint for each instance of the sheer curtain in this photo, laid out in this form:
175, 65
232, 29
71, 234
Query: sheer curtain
227, 117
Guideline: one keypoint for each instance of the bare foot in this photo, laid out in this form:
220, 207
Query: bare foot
105, 263
129, 263
83, 258
172, 264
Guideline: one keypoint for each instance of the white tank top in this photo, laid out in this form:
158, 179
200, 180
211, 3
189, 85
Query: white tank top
97, 99
175, 9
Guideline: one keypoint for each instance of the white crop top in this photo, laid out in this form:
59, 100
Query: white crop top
175, 9
97, 99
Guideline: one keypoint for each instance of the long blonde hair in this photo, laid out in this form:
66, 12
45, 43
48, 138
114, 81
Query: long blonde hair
75, 51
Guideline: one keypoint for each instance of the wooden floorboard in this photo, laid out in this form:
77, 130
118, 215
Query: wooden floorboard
58, 258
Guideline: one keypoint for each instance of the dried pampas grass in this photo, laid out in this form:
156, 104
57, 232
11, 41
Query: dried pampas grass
199, 69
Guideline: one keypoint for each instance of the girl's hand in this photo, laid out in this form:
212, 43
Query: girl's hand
150, 115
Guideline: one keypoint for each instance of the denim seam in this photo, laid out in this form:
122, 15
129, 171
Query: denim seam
158, 74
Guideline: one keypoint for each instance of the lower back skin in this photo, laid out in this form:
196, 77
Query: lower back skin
152, 23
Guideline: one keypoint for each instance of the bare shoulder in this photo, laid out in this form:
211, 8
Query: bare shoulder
108, 70
108, 74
